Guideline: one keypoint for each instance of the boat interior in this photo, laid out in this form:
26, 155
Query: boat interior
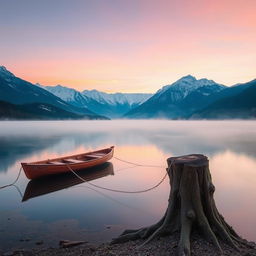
77, 159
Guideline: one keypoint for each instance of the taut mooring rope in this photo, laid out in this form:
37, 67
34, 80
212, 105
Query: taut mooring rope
123, 191
144, 165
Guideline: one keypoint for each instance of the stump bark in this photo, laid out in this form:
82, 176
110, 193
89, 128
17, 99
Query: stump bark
191, 207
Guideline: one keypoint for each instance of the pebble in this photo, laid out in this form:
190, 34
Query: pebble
8, 253
166, 246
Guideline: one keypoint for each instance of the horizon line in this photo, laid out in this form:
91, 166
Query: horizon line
116, 92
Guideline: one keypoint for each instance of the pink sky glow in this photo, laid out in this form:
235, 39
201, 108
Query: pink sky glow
128, 46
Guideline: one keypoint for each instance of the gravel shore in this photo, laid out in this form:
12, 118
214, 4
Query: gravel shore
165, 246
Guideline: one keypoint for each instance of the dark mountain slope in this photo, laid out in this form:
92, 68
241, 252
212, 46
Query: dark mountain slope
241, 105
19, 91
36, 111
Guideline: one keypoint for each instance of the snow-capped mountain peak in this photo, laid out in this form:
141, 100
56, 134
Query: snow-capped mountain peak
185, 85
113, 105
188, 78
67, 94
117, 98
62, 92
178, 99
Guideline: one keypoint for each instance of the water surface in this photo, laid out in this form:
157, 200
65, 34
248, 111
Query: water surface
64, 208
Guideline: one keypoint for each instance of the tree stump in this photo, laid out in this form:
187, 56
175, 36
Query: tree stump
191, 207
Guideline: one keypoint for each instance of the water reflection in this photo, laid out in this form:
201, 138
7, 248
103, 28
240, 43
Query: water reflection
14, 148
235, 177
55, 183
177, 138
82, 213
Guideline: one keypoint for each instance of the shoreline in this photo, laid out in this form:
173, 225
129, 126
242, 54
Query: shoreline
165, 246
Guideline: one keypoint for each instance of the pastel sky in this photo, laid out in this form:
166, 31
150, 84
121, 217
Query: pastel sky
128, 45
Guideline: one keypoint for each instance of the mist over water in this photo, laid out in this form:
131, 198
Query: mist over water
85, 213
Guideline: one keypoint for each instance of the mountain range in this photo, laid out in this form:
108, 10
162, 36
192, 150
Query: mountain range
20, 92
113, 105
187, 98
177, 100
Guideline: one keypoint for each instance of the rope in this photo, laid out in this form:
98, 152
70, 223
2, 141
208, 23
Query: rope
155, 166
13, 183
17, 188
121, 191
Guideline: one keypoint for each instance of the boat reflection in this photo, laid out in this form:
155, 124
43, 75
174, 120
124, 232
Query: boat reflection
46, 185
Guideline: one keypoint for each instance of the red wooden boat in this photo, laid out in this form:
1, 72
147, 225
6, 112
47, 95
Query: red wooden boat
64, 164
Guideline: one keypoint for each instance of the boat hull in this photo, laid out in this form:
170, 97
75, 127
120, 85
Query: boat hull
43, 168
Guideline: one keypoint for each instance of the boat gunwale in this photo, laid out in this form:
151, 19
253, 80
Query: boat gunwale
43, 162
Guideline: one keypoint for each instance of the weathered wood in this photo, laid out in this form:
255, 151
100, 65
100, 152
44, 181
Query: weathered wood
191, 207
68, 243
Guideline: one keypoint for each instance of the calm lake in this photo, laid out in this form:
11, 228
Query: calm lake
64, 208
